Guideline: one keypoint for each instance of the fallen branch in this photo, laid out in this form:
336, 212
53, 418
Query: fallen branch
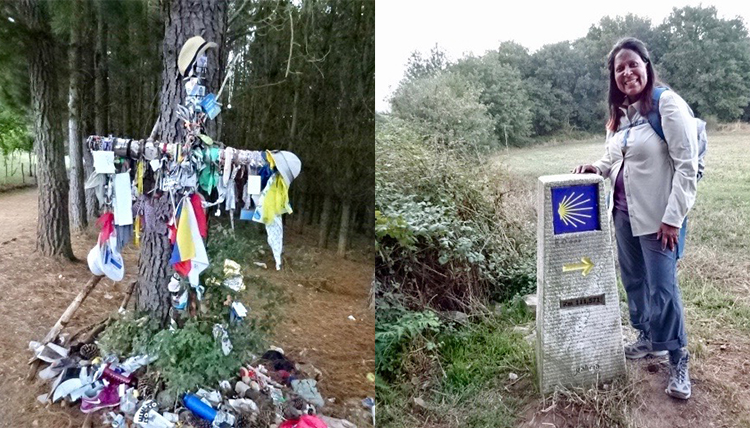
64, 320
126, 300
72, 308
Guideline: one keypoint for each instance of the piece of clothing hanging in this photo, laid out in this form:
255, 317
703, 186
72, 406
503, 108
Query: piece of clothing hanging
275, 236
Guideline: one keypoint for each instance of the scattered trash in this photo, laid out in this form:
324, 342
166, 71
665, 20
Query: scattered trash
307, 390
420, 402
369, 402
261, 264
221, 334
351, 317
512, 376
306, 421
336, 423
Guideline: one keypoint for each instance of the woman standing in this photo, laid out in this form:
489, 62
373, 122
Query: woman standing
654, 185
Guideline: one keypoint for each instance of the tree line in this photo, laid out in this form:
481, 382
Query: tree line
509, 95
303, 81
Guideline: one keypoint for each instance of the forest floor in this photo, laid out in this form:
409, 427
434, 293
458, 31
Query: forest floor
321, 292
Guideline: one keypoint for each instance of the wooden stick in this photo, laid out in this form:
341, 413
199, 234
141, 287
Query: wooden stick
126, 300
72, 308
64, 320
88, 333
88, 422
89, 337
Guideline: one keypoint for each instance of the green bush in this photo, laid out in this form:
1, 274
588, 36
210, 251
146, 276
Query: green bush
396, 328
445, 107
190, 357
440, 227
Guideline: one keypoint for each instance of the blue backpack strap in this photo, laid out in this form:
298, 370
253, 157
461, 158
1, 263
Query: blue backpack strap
654, 118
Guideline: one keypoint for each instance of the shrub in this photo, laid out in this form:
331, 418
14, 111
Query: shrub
445, 107
190, 357
441, 233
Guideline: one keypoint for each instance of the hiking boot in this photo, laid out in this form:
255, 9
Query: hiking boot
679, 378
642, 348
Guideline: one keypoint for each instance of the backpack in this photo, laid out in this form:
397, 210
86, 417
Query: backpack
654, 119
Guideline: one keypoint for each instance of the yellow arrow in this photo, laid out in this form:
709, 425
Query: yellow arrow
585, 266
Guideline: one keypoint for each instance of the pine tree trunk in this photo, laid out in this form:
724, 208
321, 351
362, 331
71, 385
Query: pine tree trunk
325, 221
154, 271
53, 230
88, 100
102, 74
184, 19
344, 227
78, 218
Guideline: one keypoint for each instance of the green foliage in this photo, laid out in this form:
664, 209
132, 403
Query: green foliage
419, 67
14, 132
445, 107
441, 230
395, 329
707, 60
475, 355
128, 336
562, 86
190, 356
516, 56
502, 92
465, 375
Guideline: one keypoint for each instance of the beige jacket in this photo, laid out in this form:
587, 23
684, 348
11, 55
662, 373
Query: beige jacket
660, 178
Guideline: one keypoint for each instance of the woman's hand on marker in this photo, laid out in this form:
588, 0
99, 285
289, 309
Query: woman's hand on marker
585, 169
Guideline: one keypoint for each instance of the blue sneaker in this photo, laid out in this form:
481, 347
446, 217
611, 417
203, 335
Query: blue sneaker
679, 379
642, 348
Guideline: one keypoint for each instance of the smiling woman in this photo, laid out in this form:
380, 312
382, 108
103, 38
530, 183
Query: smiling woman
654, 185
630, 73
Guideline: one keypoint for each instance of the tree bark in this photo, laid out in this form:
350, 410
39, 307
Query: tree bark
346, 205
78, 218
183, 20
325, 221
53, 229
154, 272
102, 74
88, 100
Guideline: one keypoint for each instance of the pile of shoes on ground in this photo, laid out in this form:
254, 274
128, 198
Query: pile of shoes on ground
273, 391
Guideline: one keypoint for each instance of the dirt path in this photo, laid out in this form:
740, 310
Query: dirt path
720, 374
34, 292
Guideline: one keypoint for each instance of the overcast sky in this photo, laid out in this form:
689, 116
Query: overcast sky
458, 27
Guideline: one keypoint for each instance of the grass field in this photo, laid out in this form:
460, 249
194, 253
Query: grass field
14, 170
486, 375
714, 274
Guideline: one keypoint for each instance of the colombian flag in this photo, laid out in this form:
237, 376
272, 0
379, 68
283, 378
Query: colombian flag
189, 256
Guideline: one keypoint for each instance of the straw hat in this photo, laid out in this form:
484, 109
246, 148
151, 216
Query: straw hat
193, 48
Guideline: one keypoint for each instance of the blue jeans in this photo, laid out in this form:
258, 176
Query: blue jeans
649, 275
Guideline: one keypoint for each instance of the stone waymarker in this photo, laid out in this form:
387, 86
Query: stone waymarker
579, 338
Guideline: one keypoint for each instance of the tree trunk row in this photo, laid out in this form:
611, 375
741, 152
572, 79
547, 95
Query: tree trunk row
53, 229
